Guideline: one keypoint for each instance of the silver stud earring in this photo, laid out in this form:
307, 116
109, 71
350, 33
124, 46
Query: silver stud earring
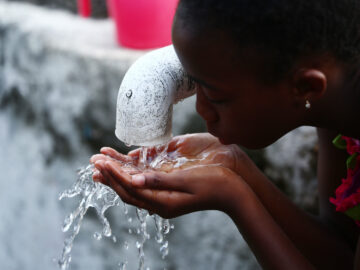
307, 105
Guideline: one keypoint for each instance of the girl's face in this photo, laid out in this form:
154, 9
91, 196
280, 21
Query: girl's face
236, 105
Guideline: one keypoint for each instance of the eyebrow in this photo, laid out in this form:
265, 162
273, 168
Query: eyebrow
202, 83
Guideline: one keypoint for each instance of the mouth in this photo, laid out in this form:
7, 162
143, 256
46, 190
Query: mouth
214, 133
224, 141
210, 128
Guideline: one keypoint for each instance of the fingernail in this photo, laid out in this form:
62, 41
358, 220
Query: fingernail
138, 179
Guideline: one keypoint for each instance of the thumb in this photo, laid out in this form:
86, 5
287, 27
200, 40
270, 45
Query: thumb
159, 180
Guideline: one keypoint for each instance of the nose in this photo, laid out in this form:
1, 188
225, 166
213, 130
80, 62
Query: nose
205, 108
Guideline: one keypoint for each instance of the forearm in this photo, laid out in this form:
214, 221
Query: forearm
321, 245
269, 243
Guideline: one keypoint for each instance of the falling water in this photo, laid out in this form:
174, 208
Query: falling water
101, 197
94, 195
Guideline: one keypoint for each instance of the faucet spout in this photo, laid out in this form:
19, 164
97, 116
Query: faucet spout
146, 96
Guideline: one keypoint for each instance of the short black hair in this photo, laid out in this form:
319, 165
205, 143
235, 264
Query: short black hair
288, 29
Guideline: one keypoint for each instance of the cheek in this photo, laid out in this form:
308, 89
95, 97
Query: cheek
205, 108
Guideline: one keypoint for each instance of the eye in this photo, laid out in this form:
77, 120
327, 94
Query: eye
216, 101
207, 94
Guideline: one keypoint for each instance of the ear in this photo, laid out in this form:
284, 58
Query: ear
310, 84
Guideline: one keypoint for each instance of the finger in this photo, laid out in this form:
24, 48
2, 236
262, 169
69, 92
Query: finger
99, 167
134, 152
97, 176
98, 157
115, 154
150, 180
137, 153
118, 173
127, 167
99, 164
160, 181
171, 146
163, 202
131, 170
195, 143
167, 204
125, 196
150, 199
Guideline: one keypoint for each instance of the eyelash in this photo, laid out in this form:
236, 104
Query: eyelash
192, 82
217, 102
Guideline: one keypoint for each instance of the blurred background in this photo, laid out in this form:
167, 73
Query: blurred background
61, 64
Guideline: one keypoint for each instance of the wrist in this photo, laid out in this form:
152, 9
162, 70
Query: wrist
242, 161
236, 196
247, 169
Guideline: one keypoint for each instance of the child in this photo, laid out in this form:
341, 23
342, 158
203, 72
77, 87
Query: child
263, 68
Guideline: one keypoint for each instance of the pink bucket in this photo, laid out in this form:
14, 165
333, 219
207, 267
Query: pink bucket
143, 24
84, 7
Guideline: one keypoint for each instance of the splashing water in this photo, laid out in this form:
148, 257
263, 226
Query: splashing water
102, 197
94, 195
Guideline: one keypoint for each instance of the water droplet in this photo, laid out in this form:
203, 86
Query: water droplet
97, 236
130, 231
107, 230
159, 238
126, 210
166, 226
126, 245
76, 228
67, 223
114, 239
164, 250
122, 265
142, 215
130, 220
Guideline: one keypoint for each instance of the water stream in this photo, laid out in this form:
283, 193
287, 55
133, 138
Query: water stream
101, 198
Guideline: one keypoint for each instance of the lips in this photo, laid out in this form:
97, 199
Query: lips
211, 129
214, 132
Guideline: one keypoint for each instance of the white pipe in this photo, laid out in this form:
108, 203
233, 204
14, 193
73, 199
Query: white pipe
146, 96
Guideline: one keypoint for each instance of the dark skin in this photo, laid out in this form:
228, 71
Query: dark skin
241, 109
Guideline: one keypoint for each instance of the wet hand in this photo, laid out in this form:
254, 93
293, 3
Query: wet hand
199, 149
178, 192
129, 164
